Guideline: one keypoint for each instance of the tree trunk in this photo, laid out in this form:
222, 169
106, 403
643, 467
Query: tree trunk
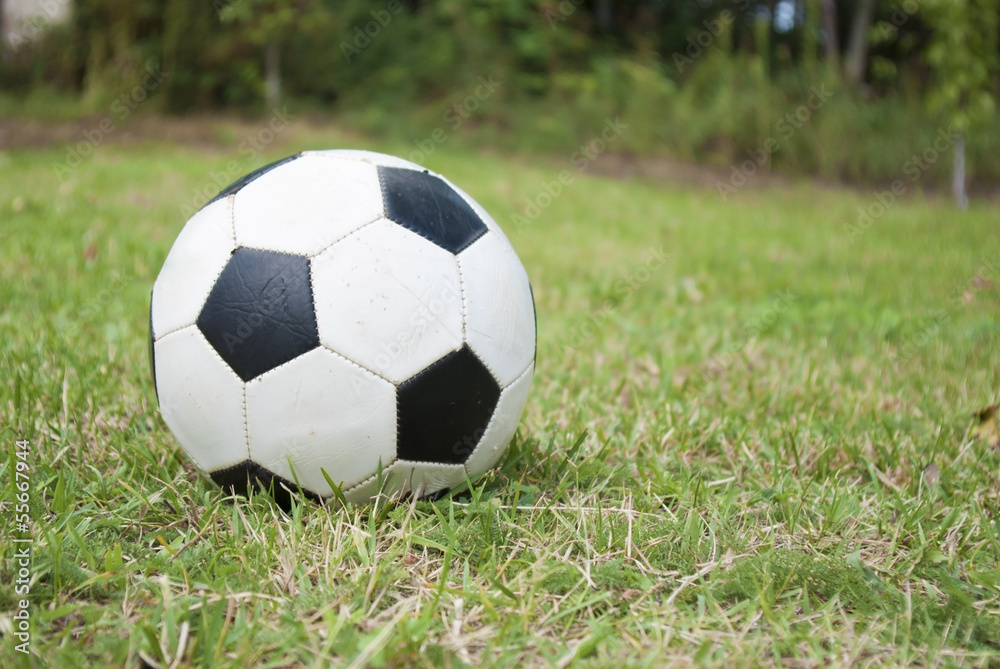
604, 13
272, 74
830, 45
857, 45
958, 175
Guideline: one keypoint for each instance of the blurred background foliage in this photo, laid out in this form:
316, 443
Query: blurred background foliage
705, 80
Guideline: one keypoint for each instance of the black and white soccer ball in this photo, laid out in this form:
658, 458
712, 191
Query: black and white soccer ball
344, 317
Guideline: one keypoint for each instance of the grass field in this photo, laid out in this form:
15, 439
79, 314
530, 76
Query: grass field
749, 440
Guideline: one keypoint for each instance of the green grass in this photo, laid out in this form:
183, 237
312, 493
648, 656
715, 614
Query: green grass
754, 452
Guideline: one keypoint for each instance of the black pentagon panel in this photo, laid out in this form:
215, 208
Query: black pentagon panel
247, 178
246, 476
260, 313
425, 204
443, 411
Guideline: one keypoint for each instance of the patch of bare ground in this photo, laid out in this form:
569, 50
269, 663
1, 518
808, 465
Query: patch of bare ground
208, 132
215, 132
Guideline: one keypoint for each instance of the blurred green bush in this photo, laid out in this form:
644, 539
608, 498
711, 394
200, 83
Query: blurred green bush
691, 81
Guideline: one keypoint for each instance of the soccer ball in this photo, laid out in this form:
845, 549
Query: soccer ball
345, 318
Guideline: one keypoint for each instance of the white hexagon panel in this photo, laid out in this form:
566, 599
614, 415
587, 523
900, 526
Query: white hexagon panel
389, 300
201, 399
321, 412
499, 309
195, 261
322, 201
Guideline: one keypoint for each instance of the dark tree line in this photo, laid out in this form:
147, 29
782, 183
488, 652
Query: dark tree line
939, 54
235, 51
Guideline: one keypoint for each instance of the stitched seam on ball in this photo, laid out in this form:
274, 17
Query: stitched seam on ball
381, 185
434, 364
494, 418
239, 465
480, 237
526, 369
312, 302
416, 232
211, 285
416, 376
290, 486
263, 250
231, 201
157, 340
396, 411
248, 464
485, 364
167, 334
475, 239
465, 341
243, 385
218, 357
349, 234
277, 367
374, 476
406, 461
356, 364
381, 189
348, 490
472, 205
518, 377
461, 285
246, 423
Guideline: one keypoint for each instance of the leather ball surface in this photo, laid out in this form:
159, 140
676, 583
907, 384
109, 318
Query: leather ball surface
344, 317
